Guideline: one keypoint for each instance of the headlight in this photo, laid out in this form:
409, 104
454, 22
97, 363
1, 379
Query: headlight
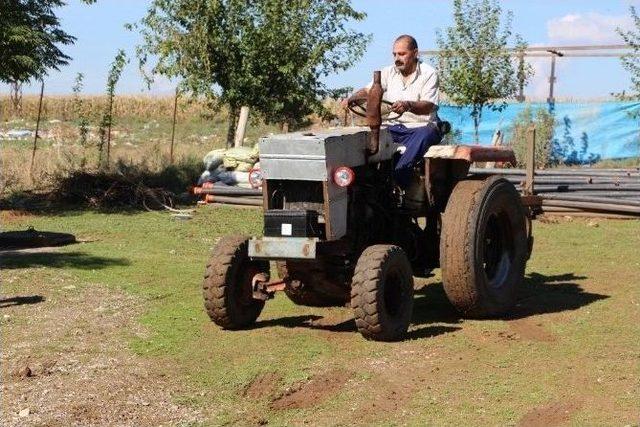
343, 176
255, 178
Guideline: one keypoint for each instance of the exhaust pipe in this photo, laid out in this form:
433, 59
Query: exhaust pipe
374, 116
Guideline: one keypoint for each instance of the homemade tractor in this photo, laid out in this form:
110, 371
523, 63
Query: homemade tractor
342, 232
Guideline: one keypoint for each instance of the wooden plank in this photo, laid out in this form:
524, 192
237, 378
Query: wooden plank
530, 160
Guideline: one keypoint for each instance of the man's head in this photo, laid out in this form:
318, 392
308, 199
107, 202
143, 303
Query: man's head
405, 54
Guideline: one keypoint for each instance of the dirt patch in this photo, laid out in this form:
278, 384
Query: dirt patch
528, 329
65, 361
552, 414
263, 386
314, 392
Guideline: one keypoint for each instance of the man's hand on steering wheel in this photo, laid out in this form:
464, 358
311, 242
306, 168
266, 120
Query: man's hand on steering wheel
401, 107
349, 102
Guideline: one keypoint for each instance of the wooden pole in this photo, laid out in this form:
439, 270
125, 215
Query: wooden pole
109, 129
530, 160
242, 126
173, 126
35, 137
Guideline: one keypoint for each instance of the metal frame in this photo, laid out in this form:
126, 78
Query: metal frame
584, 51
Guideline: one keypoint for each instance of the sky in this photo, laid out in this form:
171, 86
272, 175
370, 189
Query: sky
100, 32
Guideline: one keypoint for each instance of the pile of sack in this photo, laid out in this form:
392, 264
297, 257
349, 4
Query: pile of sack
230, 166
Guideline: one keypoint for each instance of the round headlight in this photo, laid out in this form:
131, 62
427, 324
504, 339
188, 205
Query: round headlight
343, 176
255, 178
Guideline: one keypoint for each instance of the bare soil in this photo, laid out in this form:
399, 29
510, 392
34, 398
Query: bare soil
313, 392
263, 386
552, 414
65, 362
528, 329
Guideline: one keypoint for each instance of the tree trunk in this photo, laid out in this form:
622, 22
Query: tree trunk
477, 116
476, 124
234, 112
16, 97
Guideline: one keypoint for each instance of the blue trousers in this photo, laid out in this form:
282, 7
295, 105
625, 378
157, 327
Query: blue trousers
417, 140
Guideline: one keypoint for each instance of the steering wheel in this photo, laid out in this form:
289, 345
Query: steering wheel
358, 106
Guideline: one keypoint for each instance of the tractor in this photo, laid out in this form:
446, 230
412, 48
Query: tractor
342, 232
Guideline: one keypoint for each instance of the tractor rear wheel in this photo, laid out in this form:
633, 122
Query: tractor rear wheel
382, 293
227, 286
483, 246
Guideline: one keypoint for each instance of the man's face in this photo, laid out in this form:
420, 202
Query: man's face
403, 56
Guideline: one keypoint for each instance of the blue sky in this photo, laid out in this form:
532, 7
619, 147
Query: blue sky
100, 32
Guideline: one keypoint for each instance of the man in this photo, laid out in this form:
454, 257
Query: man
412, 87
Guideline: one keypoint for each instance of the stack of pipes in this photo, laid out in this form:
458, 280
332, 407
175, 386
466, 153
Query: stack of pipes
581, 191
220, 194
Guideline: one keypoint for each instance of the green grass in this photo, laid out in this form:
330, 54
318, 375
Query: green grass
581, 288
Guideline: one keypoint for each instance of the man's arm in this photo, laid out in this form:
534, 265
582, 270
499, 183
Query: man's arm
360, 93
420, 108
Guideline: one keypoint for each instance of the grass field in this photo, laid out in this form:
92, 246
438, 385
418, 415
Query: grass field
114, 332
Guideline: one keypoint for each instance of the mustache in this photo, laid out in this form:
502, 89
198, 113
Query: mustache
399, 63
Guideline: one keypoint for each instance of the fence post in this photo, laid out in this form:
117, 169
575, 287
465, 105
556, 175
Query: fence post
530, 160
35, 137
109, 129
242, 126
173, 126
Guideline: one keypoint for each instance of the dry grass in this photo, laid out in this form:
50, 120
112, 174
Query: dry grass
143, 107
141, 136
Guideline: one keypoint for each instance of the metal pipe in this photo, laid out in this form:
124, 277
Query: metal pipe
559, 172
577, 180
606, 207
589, 199
216, 204
609, 193
224, 191
587, 187
374, 116
209, 198
604, 215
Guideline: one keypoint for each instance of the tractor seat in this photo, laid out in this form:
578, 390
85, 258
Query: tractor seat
444, 127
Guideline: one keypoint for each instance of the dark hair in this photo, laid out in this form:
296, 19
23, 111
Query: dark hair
413, 44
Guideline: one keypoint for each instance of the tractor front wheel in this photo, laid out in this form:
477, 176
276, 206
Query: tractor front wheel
382, 293
227, 286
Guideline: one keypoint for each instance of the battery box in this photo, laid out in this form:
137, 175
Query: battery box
292, 223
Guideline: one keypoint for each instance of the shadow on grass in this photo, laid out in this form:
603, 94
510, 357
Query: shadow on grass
78, 260
552, 294
13, 301
539, 294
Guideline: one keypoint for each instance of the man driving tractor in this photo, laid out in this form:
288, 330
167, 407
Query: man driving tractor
412, 88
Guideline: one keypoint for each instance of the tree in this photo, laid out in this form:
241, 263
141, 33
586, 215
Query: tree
115, 71
475, 66
544, 149
631, 63
268, 54
29, 35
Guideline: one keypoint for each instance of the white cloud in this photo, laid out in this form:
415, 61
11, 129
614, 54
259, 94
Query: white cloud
588, 28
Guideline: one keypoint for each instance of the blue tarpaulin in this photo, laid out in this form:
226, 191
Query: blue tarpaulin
608, 127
